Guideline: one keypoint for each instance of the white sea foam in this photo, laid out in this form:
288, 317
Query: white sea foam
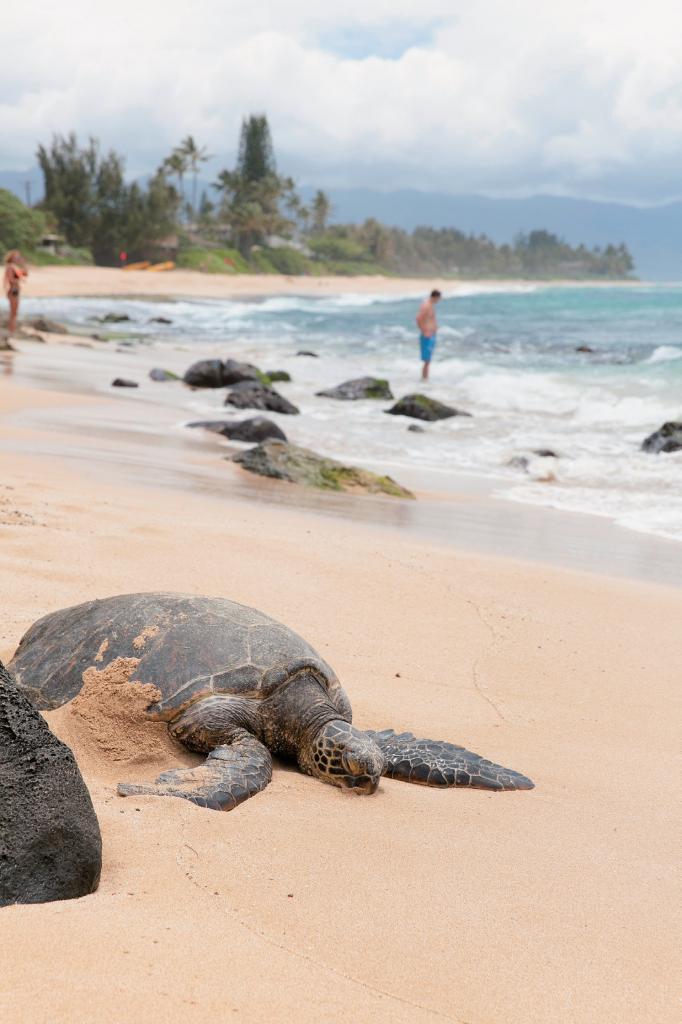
526, 389
664, 353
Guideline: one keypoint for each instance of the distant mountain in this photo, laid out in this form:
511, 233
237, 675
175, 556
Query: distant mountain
652, 234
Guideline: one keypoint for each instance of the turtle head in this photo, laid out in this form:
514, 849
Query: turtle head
344, 756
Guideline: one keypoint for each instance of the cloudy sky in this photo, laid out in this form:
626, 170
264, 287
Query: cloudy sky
513, 97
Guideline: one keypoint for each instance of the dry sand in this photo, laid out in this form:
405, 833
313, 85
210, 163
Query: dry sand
306, 903
59, 281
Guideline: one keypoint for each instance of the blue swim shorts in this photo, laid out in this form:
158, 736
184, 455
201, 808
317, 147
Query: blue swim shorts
427, 346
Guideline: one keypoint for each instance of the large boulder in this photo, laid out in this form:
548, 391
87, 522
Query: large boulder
214, 373
420, 407
253, 430
667, 439
285, 461
206, 373
361, 387
251, 395
50, 843
235, 372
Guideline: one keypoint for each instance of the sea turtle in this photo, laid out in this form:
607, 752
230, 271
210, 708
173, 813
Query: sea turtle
237, 686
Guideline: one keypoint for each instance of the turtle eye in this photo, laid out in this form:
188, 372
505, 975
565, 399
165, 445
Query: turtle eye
351, 764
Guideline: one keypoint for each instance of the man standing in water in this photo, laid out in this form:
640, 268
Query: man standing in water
426, 322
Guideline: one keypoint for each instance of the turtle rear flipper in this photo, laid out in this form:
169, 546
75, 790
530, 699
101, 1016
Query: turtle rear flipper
229, 775
437, 763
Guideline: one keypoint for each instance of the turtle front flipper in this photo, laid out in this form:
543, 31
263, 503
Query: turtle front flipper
229, 775
437, 763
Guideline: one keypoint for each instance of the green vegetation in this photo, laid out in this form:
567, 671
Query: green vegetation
274, 376
68, 257
257, 222
374, 248
20, 227
95, 209
378, 389
211, 261
335, 477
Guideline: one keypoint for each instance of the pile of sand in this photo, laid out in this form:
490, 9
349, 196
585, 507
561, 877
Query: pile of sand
107, 723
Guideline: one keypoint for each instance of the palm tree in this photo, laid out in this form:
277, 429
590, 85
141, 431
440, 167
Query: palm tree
194, 157
176, 164
321, 209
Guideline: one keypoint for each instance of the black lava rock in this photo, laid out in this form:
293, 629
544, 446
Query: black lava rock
302, 466
214, 373
206, 373
667, 439
361, 387
304, 352
50, 843
121, 382
254, 430
249, 395
422, 408
235, 372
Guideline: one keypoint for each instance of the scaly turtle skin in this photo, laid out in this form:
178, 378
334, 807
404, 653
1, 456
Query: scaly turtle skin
237, 686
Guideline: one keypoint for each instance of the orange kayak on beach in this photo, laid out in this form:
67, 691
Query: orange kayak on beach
142, 265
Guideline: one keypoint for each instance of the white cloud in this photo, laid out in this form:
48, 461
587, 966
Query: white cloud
509, 95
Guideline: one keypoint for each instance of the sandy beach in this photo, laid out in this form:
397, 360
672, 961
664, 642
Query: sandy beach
305, 902
55, 281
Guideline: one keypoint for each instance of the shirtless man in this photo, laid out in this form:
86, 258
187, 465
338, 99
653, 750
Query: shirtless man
426, 322
15, 270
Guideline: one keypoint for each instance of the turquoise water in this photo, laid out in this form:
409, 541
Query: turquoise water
505, 354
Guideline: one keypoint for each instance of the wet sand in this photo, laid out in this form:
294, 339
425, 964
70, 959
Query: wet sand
139, 436
307, 903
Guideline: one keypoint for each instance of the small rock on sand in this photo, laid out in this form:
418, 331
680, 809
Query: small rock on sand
421, 407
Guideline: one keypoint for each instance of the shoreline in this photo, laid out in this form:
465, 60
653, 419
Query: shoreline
103, 282
459, 510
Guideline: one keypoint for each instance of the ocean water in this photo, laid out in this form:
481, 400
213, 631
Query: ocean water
506, 354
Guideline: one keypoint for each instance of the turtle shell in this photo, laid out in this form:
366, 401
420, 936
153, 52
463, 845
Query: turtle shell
187, 646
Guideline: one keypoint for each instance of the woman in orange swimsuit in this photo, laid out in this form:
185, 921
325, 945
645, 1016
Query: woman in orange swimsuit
15, 270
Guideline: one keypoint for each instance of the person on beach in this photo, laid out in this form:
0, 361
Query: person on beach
15, 270
428, 327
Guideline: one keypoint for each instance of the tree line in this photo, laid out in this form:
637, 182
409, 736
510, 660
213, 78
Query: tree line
253, 218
